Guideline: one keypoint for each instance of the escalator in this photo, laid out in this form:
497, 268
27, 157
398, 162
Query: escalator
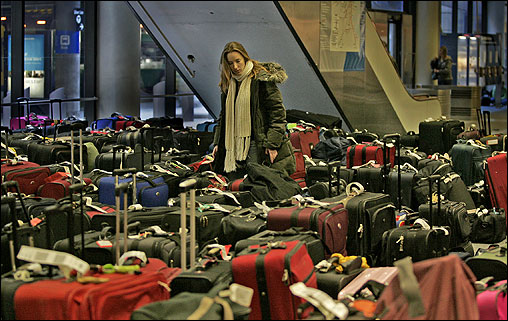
193, 34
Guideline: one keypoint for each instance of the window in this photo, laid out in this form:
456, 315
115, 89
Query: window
462, 17
477, 16
446, 17
388, 5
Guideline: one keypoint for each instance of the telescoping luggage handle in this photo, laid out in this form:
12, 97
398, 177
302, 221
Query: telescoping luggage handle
187, 185
392, 137
11, 201
119, 189
79, 188
6, 130
123, 171
20, 114
434, 179
330, 166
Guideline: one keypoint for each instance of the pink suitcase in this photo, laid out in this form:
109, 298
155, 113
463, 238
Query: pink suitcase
492, 302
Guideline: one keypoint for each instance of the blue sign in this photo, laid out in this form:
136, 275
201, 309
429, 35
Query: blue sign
67, 42
34, 52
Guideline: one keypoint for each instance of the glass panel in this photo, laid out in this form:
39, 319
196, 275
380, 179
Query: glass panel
6, 27
446, 17
462, 17
388, 5
477, 16
462, 61
473, 61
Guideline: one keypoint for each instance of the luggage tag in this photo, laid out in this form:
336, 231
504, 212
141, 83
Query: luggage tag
239, 294
65, 261
321, 300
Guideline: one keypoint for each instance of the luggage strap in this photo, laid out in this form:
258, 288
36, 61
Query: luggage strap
410, 287
262, 287
206, 304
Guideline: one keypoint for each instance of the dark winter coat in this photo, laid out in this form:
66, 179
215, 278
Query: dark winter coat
268, 117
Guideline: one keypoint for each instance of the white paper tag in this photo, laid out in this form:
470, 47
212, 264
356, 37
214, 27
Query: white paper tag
491, 142
43, 256
104, 243
241, 294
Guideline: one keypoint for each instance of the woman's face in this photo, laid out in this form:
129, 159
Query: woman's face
236, 62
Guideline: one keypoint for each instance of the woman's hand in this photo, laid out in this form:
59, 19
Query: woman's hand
272, 153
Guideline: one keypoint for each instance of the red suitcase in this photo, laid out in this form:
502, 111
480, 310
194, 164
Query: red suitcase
305, 140
300, 173
59, 187
496, 177
269, 271
330, 222
29, 175
360, 154
112, 300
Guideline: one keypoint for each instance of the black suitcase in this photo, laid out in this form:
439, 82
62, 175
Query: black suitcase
371, 179
195, 141
438, 136
241, 224
330, 281
448, 213
410, 139
315, 245
407, 181
489, 226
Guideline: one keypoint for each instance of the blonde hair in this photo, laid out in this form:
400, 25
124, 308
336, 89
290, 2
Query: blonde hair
225, 74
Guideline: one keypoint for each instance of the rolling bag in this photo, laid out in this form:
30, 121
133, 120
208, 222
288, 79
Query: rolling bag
418, 241
270, 270
29, 175
410, 139
489, 226
305, 140
438, 136
448, 213
467, 159
369, 216
330, 221
330, 281
363, 153
315, 246
496, 178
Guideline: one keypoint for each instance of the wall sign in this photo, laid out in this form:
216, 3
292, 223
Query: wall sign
67, 42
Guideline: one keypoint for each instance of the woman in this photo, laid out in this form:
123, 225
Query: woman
252, 122
442, 67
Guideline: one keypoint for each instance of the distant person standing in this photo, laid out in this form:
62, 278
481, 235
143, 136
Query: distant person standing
442, 67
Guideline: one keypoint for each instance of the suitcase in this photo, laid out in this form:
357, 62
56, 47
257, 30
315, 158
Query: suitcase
195, 141
29, 175
330, 221
492, 302
369, 216
305, 140
489, 226
467, 160
438, 136
269, 270
489, 262
360, 154
363, 136
410, 139
496, 142
496, 178
448, 213
241, 224
315, 245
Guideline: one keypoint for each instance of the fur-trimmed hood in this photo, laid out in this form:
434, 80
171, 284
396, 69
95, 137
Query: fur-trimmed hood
275, 73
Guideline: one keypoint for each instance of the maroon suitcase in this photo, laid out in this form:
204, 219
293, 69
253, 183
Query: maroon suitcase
496, 177
330, 222
29, 175
269, 270
360, 154
305, 140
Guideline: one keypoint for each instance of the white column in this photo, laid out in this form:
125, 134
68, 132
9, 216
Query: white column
427, 39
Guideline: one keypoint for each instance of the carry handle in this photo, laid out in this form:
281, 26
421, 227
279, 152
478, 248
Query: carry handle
395, 137
157, 141
123, 171
6, 186
115, 149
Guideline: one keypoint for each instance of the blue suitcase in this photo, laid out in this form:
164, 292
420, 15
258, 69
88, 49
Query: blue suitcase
150, 192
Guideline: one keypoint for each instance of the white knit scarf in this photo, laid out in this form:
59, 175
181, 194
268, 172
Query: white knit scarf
238, 122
